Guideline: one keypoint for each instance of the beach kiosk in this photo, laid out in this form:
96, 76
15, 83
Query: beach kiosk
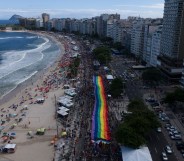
66, 86
10, 148
40, 100
40, 131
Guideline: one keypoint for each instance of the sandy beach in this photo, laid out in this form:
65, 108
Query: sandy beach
34, 116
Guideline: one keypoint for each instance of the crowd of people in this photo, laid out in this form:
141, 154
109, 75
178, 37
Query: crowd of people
79, 121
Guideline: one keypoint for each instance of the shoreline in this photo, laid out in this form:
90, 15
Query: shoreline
13, 92
36, 115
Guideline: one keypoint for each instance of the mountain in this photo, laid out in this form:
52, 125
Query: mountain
15, 18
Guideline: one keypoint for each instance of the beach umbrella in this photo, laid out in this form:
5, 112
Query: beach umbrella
14, 124
25, 106
63, 133
5, 134
52, 142
5, 138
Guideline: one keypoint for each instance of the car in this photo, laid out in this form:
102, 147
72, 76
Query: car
168, 149
176, 137
154, 104
145, 87
1, 148
174, 132
180, 145
164, 156
159, 129
149, 99
158, 109
160, 115
167, 125
179, 142
182, 151
171, 128
166, 118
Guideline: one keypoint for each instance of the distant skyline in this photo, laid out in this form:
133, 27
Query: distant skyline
81, 8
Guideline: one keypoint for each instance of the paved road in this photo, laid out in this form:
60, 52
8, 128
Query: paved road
87, 80
156, 145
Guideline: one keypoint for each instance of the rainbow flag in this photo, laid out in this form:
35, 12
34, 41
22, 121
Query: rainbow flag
100, 127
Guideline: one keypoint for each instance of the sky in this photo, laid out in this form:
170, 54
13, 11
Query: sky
81, 8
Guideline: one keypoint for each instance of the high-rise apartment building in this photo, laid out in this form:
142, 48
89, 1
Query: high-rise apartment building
46, 18
172, 41
39, 23
114, 30
155, 47
137, 38
126, 26
150, 28
182, 77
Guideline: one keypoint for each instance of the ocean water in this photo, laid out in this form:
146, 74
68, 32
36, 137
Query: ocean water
8, 22
22, 55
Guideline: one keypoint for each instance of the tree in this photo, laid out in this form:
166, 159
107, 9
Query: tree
170, 98
95, 36
118, 46
76, 32
177, 95
106, 39
143, 121
53, 29
151, 75
136, 126
136, 104
102, 54
116, 87
127, 136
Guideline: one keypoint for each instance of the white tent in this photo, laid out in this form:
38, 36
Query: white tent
106, 68
40, 99
71, 92
63, 108
10, 146
66, 86
109, 77
65, 97
73, 42
142, 154
65, 102
75, 48
63, 113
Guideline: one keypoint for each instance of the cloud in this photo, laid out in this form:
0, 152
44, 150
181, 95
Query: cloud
78, 13
154, 6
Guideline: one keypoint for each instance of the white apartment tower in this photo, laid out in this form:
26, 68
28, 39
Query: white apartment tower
137, 38
151, 27
114, 30
155, 47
